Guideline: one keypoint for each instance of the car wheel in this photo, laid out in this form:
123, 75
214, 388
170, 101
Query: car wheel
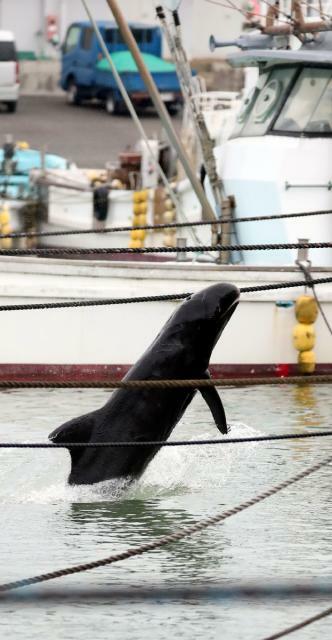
11, 106
73, 96
111, 105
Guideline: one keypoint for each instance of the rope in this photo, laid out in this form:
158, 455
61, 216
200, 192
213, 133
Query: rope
78, 251
300, 625
161, 443
164, 297
181, 591
164, 540
156, 227
166, 384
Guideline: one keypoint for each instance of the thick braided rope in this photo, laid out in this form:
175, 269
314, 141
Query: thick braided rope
300, 625
161, 443
164, 540
154, 592
78, 251
157, 227
161, 298
166, 384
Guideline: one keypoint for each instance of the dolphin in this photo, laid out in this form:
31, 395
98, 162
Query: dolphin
181, 350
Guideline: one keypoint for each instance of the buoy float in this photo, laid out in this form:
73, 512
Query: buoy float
5, 228
140, 208
304, 336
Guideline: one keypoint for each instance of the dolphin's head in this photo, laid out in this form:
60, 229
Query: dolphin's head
200, 320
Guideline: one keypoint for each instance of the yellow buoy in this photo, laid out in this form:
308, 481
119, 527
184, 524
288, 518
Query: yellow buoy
306, 361
136, 221
137, 234
4, 215
6, 228
304, 337
169, 240
169, 216
22, 145
6, 243
306, 309
135, 244
137, 208
136, 197
142, 208
168, 204
142, 220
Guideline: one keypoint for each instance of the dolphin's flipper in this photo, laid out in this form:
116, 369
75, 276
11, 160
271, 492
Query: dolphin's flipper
212, 399
76, 430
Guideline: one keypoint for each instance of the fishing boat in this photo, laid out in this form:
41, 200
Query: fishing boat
276, 161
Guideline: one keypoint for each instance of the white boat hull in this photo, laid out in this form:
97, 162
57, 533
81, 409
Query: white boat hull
103, 341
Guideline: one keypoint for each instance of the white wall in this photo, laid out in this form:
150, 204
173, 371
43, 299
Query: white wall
199, 19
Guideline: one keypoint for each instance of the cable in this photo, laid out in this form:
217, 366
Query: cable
160, 443
166, 297
166, 384
300, 625
157, 227
75, 251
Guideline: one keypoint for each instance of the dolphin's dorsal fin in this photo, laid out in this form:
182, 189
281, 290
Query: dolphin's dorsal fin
212, 399
76, 430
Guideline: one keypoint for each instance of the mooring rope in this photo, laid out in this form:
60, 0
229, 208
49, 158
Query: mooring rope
79, 251
157, 227
160, 298
300, 625
164, 540
161, 443
166, 384
157, 592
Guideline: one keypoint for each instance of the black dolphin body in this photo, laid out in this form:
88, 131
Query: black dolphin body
181, 350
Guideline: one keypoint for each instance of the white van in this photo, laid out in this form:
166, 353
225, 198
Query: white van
9, 80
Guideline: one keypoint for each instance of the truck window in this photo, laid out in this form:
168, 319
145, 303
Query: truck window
308, 107
72, 39
138, 35
7, 51
109, 36
87, 38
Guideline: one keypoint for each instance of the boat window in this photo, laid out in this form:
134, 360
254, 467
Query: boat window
72, 39
261, 105
308, 108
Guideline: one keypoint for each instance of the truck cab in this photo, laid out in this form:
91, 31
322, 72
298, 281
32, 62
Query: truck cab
81, 54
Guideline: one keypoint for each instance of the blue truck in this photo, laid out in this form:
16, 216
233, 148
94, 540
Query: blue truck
85, 73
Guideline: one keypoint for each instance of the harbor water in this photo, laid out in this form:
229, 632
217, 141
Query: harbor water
47, 525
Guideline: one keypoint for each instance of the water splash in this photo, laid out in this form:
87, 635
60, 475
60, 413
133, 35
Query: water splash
28, 476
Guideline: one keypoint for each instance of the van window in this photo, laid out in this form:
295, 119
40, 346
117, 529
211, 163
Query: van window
72, 39
87, 38
7, 51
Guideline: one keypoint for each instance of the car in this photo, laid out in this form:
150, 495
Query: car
9, 71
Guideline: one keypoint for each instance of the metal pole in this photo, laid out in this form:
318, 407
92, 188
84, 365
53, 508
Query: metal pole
207, 211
